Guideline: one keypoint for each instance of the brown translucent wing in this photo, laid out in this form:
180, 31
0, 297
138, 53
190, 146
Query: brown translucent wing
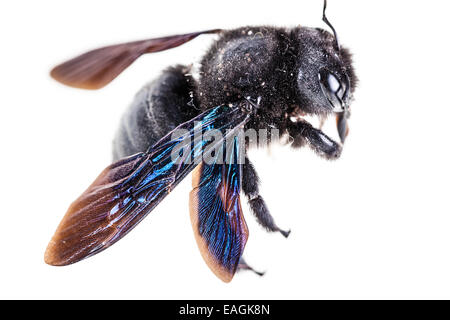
216, 215
105, 212
96, 68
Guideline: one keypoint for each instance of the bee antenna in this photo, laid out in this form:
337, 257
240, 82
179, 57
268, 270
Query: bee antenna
324, 18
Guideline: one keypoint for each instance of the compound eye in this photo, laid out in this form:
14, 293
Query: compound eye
333, 83
333, 89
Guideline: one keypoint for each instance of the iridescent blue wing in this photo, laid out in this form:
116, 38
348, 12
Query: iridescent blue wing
126, 191
216, 213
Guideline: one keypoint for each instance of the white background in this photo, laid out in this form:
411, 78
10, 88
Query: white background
374, 224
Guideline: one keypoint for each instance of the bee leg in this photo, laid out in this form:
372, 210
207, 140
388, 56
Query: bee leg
244, 266
305, 134
250, 186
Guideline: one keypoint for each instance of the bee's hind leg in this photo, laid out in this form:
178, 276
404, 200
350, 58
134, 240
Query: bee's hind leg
250, 186
244, 266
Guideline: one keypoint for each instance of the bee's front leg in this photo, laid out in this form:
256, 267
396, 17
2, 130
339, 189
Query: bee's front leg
303, 133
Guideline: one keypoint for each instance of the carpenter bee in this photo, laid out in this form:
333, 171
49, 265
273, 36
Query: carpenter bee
250, 78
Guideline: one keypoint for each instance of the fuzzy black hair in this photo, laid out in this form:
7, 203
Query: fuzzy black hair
268, 62
255, 62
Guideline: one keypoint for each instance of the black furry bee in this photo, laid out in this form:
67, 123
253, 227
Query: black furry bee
251, 78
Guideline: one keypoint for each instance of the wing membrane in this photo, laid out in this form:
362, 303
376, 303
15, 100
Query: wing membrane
126, 191
96, 68
216, 214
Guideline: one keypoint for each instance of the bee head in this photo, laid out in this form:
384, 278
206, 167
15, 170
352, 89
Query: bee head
326, 78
